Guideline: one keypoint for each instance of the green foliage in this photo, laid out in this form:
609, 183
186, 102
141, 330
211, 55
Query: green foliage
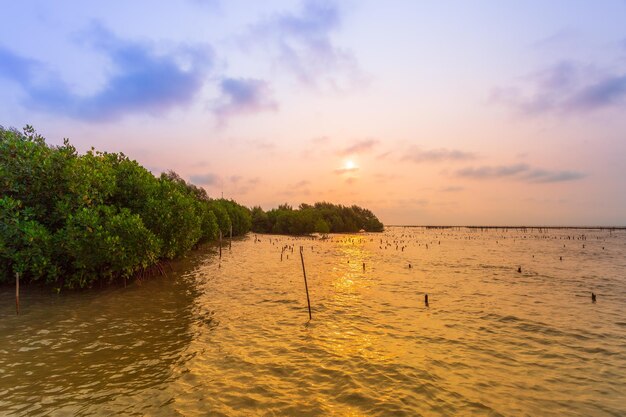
171, 215
69, 220
320, 217
223, 220
240, 216
104, 243
260, 220
209, 226
25, 244
321, 226
134, 184
35, 174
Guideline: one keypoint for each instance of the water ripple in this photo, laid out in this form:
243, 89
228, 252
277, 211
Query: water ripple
233, 337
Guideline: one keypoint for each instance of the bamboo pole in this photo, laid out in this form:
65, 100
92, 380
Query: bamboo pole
17, 293
306, 286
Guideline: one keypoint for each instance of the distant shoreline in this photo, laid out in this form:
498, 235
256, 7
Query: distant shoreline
510, 227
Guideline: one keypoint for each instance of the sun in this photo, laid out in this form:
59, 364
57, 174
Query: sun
349, 165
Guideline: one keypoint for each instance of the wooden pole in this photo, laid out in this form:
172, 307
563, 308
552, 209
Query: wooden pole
17, 293
220, 244
230, 242
306, 286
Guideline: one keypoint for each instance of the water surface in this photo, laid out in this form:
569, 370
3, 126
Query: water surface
233, 337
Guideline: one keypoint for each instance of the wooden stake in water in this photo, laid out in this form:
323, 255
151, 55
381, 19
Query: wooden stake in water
306, 286
17, 293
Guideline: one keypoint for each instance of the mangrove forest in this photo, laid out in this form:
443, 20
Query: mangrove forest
69, 220
317, 218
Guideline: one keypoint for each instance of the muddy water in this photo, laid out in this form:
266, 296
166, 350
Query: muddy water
233, 337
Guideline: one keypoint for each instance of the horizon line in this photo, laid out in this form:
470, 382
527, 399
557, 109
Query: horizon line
508, 227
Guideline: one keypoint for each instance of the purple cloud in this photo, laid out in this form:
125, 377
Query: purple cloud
361, 146
543, 176
141, 81
205, 179
301, 43
19, 69
244, 96
436, 155
521, 172
492, 171
566, 88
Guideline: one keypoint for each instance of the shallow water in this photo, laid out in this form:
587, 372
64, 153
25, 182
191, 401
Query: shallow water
233, 338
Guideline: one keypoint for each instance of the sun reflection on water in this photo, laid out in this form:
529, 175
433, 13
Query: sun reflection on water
490, 342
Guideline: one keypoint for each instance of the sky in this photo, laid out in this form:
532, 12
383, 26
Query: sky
427, 112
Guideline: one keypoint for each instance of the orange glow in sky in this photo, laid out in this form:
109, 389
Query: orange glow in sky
425, 112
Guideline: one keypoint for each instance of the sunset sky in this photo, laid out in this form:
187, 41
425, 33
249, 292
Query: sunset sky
427, 112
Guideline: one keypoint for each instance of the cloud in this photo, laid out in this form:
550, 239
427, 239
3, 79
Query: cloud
436, 155
141, 81
565, 88
205, 179
346, 170
243, 96
484, 172
359, 147
604, 92
301, 43
521, 172
17, 68
452, 189
543, 176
